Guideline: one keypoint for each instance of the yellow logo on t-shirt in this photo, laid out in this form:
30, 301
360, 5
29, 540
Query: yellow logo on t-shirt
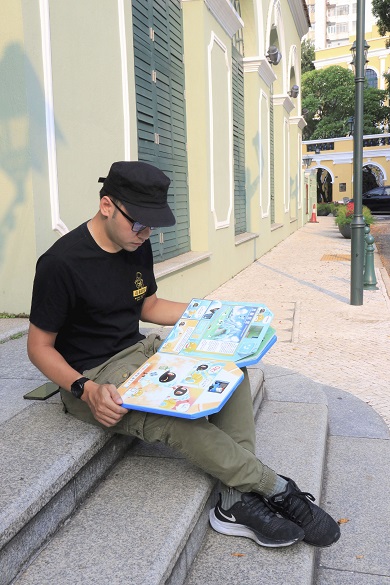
140, 290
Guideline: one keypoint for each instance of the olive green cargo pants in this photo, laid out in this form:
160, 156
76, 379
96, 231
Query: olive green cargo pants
222, 444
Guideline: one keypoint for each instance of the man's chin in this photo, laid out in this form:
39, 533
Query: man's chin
131, 247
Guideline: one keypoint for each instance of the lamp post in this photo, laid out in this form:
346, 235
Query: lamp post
357, 224
351, 124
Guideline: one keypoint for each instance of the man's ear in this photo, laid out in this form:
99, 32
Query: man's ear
105, 206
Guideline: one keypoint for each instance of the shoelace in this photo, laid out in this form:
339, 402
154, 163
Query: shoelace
289, 505
258, 505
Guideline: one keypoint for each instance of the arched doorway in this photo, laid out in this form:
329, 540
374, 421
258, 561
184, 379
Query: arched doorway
372, 177
324, 186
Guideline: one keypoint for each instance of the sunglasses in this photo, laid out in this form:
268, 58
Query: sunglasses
137, 227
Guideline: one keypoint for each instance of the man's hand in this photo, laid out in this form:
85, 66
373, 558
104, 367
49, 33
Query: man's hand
105, 403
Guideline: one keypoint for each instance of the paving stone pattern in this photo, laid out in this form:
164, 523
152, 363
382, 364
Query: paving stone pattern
320, 334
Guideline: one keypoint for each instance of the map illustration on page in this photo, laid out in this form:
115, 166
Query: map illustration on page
197, 367
222, 330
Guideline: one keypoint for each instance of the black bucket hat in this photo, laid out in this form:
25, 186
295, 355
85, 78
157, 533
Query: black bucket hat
143, 189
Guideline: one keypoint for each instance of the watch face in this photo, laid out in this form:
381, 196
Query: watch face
77, 387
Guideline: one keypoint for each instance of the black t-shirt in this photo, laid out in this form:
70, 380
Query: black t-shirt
90, 297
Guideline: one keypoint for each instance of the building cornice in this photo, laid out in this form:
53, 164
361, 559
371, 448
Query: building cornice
260, 66
300, 16
225, 14
299, 121
285, 101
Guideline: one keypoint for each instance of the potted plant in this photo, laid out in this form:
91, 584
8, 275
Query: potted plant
344, 218
323, 208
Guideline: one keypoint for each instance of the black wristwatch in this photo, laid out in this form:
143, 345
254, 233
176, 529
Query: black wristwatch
77, 387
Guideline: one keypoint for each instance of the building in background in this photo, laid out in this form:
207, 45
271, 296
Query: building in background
333, 22
208, 90
332, 159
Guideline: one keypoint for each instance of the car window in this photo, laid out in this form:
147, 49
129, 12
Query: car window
376, 191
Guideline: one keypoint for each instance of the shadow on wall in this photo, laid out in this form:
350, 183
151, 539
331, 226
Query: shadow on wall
23, 143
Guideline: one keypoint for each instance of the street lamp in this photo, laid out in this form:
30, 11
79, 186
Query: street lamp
353, 51
351, 124
307, 160
359, 59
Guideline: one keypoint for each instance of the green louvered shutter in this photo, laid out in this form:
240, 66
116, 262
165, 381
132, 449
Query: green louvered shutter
159, 81
238, 142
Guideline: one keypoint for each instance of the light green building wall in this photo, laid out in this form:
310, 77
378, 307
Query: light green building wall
68, 112
17, 237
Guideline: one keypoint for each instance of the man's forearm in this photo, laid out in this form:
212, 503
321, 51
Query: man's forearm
51, 363
162, 311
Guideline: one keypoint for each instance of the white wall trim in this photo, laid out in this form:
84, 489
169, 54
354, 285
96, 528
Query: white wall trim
125, 80
226, 15
299, 120
320, 166
217, 222
299, 17
264, 208
262, 67
285, 101
56, 223
286, 165
378, 166
299, 173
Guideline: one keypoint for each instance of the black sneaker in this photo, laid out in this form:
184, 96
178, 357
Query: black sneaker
253, 518
320, 528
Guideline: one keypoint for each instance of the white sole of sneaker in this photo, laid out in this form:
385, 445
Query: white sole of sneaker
241, 530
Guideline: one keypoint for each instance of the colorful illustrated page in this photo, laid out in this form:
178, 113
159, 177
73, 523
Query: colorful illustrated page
180, 386
227, 330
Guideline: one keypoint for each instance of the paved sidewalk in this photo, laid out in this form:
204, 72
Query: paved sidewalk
305, 280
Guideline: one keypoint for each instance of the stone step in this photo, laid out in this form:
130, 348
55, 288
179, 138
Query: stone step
50, 461
132, 510
291, 438
148, 518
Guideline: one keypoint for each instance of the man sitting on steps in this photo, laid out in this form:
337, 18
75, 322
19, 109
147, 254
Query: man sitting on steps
91, 289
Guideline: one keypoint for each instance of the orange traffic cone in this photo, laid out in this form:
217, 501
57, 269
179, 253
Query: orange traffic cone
313, 218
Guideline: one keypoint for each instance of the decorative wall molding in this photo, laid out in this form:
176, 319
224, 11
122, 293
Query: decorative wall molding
220, 223
285, 101
264, 104
262, 67
226, 15
125, 79
299, 16
299, 120
56, 222
286, 165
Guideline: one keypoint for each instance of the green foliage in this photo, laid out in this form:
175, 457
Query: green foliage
12, 315
324, 208
345, 215
329, 96
307, 56
381, 11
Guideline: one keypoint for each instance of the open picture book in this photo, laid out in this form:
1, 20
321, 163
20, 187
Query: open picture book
197, 367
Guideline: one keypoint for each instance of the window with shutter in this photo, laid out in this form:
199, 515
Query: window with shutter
161, 124
238, 142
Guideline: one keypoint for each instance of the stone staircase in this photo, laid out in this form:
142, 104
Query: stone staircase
78, 505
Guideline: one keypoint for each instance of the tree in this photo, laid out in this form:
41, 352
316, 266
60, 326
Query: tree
307, 56
329, 96
381, 10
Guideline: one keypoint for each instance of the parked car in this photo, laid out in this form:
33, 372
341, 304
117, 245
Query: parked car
378, 199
